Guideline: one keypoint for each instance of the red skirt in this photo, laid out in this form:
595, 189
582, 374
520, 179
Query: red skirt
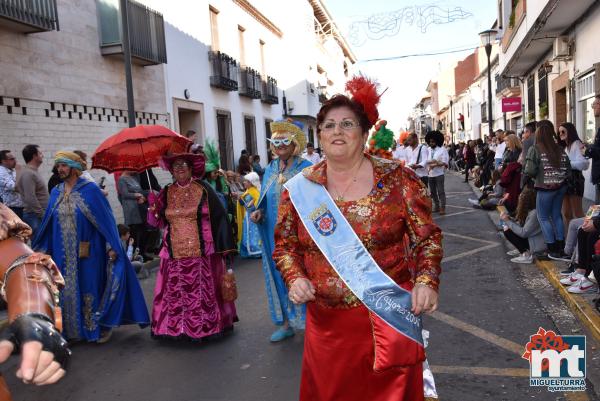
339, 358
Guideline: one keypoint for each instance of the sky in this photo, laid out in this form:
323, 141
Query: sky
406, 78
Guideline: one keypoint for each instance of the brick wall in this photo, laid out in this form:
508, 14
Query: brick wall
56, 126
465, 73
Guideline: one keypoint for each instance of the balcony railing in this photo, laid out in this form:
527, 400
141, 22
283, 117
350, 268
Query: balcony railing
510, 84
224, 71
484, 112
146, 32
29, 16
270, 93
250, 83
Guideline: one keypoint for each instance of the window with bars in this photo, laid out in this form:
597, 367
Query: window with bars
542, 87
531, 94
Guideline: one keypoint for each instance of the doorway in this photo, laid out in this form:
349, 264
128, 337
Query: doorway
225, 139
250, 132
189, 116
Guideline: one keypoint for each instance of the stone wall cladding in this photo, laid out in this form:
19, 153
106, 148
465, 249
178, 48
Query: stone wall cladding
47, 124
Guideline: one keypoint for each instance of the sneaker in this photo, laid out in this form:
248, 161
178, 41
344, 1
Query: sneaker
570, 269
583, 286
281, 334
474, 202
525, 258
571, 278
560, 256
442, 211
514, 252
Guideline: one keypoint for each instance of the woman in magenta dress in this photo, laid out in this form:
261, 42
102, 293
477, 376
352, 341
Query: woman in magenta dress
197, 245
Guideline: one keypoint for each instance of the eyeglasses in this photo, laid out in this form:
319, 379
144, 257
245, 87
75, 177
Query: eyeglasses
180, 165
280, 142
345, 125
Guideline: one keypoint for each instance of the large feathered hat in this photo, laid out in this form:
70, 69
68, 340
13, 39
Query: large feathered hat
195, 161
363, 90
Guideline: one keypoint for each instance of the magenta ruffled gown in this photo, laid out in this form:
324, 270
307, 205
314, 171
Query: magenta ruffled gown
187, 296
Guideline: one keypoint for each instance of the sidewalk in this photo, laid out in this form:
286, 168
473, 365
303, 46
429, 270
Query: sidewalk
581, 305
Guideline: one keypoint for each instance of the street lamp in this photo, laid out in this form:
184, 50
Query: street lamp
487, 37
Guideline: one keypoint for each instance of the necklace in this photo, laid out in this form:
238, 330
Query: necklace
281, 177
340, 196
183, 186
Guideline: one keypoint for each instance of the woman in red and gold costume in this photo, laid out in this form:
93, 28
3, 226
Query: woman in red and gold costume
382, 202
197, 244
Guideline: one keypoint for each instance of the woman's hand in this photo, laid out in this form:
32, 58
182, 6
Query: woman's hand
588, 226
256, 216
505, 216
301, 291
424, 299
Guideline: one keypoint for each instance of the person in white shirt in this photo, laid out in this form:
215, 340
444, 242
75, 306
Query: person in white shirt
500, 148
400, 152
310, 154
417, 156
8, 182
437, 164
572, 206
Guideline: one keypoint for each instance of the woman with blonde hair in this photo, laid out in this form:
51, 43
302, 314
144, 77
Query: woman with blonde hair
287, 144
513, 148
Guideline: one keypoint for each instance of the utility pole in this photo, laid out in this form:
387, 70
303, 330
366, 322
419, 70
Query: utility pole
127, 59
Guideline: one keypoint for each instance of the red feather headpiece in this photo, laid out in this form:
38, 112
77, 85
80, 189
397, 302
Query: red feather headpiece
364, 91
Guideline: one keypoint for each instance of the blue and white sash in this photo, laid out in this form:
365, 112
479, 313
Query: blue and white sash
336, 239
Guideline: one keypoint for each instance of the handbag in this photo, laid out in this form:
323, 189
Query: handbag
229, 287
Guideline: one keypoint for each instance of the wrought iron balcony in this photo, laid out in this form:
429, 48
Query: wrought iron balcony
224, 71
507, 86
250, 83
29, 16
270, 93
146, 32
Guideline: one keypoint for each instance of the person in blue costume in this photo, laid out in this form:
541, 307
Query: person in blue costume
80, 233
248, 236
287, 144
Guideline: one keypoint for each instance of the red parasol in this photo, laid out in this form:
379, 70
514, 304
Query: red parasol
138, 148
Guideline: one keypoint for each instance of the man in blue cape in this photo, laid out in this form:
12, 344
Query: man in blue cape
80, 233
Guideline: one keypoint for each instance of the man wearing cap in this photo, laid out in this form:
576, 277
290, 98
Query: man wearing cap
287, 144
80, 233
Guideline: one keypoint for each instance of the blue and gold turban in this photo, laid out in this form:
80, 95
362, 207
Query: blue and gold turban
71, 159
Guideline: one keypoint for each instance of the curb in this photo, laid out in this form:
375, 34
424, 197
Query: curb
579, 305
588, 316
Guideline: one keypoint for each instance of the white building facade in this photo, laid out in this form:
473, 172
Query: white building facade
549, 51
248, 64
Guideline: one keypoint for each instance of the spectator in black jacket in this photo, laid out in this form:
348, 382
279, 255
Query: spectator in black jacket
593, 151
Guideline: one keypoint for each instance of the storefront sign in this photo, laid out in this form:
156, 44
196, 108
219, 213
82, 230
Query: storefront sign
511, 104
